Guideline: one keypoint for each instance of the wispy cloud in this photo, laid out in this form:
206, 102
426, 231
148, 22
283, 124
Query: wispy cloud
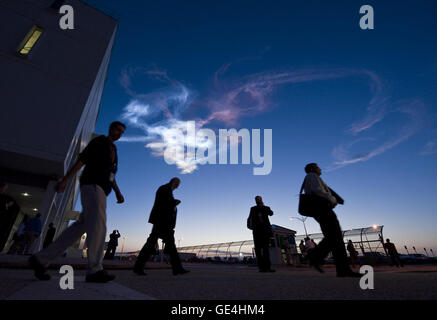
430, 148
159, 113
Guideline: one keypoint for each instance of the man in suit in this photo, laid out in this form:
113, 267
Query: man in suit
163, 218
259, 223
333, 235
112, 245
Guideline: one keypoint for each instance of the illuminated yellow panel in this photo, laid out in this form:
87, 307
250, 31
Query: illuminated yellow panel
32, 38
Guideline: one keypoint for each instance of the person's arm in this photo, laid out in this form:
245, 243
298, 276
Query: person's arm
269, 211
120, 198
314, 186
60, 187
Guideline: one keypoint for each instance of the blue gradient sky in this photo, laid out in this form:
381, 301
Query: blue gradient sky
385, 171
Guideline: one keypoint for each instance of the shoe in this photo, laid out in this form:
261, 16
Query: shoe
139, 272
181, 271
99, 277
40, 271
349, 274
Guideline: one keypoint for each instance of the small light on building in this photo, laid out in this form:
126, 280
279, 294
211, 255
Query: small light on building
25, 194
375, 226
35, 209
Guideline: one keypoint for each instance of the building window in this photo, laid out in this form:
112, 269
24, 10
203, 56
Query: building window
30, 40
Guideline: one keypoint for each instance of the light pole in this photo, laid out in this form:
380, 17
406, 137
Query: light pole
303, 221
432, 252
407, 250
414, 248
426, 252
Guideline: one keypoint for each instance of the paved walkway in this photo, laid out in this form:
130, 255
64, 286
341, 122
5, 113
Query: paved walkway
50, 290
226, 282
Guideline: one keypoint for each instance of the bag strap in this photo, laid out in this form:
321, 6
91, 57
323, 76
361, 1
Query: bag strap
303, 184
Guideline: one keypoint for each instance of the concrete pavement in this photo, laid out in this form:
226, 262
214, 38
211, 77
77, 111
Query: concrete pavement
229, 282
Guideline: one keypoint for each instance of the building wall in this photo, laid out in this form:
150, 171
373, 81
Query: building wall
51, 99
48, 96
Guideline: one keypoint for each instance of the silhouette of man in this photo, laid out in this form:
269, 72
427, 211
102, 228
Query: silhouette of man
112, 245
393, 252
259, 223
333, 236
353, 253
96, 182
49, 236
163, 218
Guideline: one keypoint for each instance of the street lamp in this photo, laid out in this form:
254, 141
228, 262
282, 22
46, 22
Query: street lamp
414, 248
426, 252
303, 221
407, 250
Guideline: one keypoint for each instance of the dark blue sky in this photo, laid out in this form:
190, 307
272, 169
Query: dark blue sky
360, 103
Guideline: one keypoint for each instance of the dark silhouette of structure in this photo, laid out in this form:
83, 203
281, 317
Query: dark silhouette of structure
112, 245
326, 217
163, 218
258, 221
32, 231
49, 236
96, 182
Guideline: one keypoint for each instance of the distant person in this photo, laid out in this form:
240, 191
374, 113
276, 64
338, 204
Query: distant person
309, 244
163, 218
302, 248
49, 235
259, 223
353, 253
18, 238
112, 245
333, 235
32, 231
393, 253
96, 182
8, 213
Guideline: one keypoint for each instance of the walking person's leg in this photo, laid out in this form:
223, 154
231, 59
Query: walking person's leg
257, 241
94, 210
40, 261
338, 246
146, 252
170, 249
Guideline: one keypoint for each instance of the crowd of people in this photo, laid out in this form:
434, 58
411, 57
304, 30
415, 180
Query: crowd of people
100, 162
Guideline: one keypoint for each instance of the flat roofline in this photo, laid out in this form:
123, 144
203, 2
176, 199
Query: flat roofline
111, 13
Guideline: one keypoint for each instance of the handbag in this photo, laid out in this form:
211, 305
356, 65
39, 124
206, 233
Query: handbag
311, 205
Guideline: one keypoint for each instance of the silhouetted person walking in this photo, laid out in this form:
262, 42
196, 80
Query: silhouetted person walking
163, 218
393, 253
112, 245
96, 182
259, 223
326, 217
49, 236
